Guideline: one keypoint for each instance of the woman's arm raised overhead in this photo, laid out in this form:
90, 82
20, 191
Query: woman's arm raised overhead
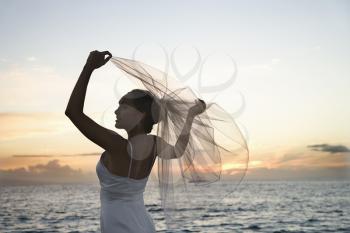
105, 138
167, 151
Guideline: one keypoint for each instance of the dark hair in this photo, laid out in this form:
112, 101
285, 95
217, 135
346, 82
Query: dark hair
145, 102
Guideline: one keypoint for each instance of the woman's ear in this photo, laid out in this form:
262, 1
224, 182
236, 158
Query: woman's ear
142, 116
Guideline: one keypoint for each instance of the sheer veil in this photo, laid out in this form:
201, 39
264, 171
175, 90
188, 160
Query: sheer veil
216, 156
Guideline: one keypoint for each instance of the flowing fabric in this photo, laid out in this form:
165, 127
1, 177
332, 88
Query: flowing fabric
216, 155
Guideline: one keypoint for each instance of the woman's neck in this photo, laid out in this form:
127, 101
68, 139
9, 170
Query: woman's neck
135, 131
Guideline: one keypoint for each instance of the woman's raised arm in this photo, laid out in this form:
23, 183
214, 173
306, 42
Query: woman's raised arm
105, 138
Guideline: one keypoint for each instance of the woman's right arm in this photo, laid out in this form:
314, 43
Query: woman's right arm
98, 134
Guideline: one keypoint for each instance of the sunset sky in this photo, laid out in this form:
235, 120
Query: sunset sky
290, 96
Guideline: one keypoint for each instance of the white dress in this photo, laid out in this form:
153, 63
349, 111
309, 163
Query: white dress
122, 204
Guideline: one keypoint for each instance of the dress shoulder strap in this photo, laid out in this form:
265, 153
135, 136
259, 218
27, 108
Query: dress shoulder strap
155, 144
130, 159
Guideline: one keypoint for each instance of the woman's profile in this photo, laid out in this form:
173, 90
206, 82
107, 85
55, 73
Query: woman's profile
125, 165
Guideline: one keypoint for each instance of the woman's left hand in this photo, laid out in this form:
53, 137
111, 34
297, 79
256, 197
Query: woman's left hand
198, 108
97, 59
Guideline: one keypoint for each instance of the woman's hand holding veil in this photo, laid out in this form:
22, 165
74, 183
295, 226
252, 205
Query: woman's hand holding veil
198, 108
97, 59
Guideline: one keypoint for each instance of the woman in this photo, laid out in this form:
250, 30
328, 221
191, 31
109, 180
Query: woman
125, 166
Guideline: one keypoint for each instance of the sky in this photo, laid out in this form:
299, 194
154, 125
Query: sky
283, 67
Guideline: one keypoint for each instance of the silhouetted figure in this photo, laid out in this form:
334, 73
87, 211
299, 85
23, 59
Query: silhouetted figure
125, 165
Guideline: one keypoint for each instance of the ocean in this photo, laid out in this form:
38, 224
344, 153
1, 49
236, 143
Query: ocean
266, 206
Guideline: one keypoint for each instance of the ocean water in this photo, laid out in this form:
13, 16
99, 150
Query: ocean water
254, 207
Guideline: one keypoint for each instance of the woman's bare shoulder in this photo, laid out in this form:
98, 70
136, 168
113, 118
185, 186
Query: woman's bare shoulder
117, 134
157, 138
161, 143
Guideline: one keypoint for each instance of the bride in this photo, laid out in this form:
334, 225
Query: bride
125, 165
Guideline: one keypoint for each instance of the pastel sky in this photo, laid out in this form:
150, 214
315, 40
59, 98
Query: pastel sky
290, 95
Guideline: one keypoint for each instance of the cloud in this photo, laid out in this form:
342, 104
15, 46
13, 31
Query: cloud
298, 158
33, 86
27, 124
291, 157
340, 173
59, 155
31, 58
329, 148
299, 164
267, 66
52, 172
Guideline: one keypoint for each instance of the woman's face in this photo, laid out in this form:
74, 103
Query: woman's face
127, 117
